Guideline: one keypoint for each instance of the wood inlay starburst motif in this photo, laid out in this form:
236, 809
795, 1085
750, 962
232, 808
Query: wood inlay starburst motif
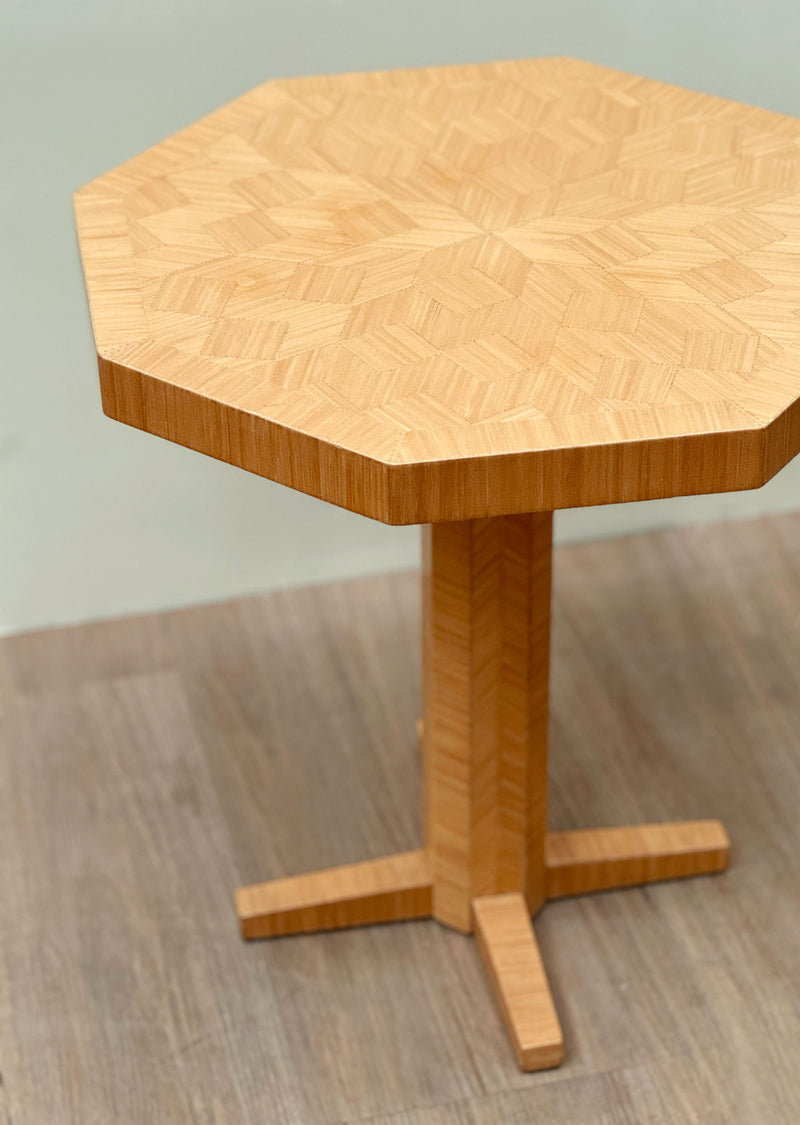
460, 264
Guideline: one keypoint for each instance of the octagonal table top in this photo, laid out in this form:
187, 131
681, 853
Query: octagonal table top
462, 291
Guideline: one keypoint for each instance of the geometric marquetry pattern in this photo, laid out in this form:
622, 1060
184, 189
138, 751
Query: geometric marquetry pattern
460, 261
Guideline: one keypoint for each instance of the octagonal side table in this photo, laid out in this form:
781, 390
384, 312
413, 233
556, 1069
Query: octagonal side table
464, 297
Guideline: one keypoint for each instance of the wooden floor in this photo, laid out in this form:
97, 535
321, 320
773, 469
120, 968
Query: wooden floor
149, 766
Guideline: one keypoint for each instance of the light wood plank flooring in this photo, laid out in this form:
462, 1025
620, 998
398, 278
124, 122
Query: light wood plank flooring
151, 765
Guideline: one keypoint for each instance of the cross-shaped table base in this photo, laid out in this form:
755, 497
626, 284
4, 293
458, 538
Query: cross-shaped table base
489, 862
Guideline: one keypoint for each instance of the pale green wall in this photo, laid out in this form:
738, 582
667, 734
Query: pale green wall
97, 519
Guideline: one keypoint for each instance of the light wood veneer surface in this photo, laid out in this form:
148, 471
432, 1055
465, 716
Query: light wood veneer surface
460, 291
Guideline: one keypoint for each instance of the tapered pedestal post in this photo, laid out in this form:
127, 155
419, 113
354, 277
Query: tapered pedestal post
488, 861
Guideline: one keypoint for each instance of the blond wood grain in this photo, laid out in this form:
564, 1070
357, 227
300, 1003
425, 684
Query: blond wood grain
508, 946
599, 859
457, 292
390, 889
486, 665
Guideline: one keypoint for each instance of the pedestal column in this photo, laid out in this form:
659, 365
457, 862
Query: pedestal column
486, 623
